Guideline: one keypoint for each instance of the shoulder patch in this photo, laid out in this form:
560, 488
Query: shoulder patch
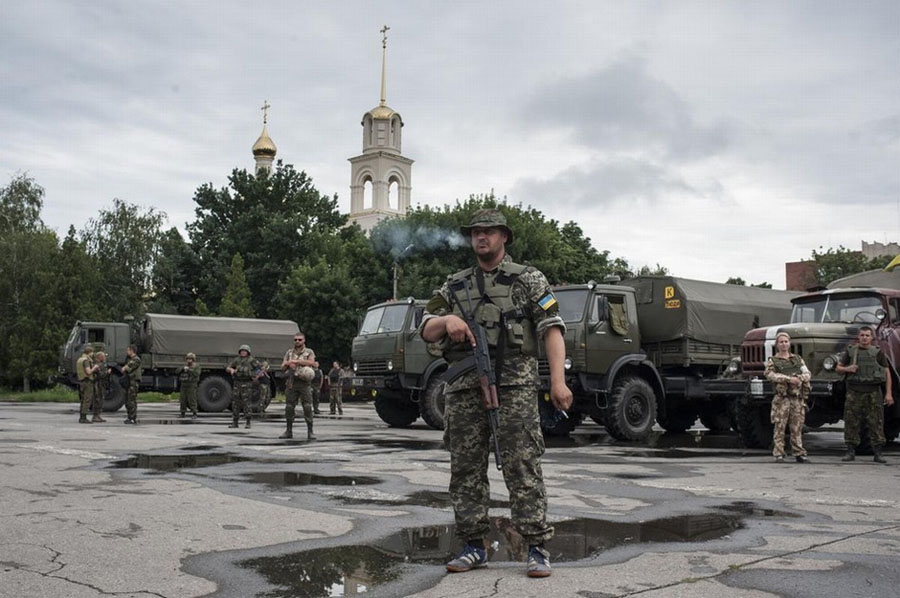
547, 301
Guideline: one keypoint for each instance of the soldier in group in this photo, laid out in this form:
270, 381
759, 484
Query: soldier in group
133, 369
299, 365
334, 388
515, 305
261, 379
101, 386
866, 368
190, 378
317, 383
791, 377
85, 369
241, 368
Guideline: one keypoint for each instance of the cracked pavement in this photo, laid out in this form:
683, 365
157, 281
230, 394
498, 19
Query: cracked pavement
73, 526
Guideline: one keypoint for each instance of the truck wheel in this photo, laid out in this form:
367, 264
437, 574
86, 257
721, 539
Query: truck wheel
755, 425
395, 412
678, 420
114, 397
554, 425
213, 394
891, 429
431, 403
632, 409
717, 416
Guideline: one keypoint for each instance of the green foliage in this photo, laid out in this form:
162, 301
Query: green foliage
647, 270
174, 272
741, 282
236, 302
20, 205
272, 219
833, 264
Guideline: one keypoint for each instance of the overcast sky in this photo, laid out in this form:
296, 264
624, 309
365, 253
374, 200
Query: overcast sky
714, 138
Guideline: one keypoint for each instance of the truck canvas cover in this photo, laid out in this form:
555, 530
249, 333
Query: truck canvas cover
177, 335
873, 278
671, 308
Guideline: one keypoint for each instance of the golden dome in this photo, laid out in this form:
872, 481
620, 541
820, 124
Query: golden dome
381, 112
264, 146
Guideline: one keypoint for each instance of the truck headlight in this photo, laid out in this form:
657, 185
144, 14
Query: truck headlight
390, 364
567, 363
830, 362
355, 366
734, 367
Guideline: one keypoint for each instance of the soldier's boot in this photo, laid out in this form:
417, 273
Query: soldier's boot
850, 455
289, 432
234, 422
194, 415
309, 432
182, 414
878, 457
97, 419
83, 419
248, 423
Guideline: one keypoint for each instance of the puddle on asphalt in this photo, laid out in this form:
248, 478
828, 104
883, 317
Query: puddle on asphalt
656, 440
199, 447
749, 509
424, 498
293, 478
347, 570
412, 444
173, 462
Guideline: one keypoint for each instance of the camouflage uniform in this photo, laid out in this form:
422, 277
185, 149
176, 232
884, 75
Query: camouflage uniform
101, 386
134, 369
334, 390
243, 387
190, 379
789, 403
864, 402
262, 382
467, 430
83, 368
298, 389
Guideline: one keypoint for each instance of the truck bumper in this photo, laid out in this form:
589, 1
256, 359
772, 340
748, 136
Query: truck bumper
762, 391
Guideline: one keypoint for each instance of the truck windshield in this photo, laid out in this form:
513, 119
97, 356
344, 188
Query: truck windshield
846, 308
571, 304
386, 318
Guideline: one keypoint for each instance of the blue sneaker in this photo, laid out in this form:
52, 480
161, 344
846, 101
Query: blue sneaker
470, 557
538, 563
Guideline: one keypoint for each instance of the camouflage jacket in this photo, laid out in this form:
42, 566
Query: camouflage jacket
190, 375
134, 369
779, 372
243, 367
527, 292
83, 366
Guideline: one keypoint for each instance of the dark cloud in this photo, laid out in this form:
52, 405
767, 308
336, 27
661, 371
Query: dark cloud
622, 107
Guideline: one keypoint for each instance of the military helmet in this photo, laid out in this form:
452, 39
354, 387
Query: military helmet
192, 356
488, 218
245, 348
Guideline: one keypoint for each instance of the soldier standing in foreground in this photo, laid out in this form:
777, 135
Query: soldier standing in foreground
241, 368
516, 307
133, 370
190, 378
84, 369
334, 388
790, 376
298, 366
101, 386
866, 368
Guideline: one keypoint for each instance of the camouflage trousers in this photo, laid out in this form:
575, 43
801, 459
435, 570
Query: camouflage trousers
86, 395
467, 437
788, 411
265, 396
864, 407
240, 402
188, 397
334, 399
131, 401
302, 391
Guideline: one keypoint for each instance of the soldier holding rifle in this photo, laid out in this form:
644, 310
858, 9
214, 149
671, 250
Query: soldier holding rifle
512, 308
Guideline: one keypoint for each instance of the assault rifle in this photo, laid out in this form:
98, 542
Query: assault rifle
487, 377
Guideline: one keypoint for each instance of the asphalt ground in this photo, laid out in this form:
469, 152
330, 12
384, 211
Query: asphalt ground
177, 507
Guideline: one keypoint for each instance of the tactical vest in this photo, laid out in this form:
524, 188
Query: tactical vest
244, 369
83, 364
789, 367
494, 309
869, 372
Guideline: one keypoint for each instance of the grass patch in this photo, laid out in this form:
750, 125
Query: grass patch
62, 394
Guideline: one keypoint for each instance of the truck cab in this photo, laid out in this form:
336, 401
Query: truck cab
111, 338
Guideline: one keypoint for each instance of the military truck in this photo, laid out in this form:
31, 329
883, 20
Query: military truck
163, 340
821, 326
656, 348
391, 365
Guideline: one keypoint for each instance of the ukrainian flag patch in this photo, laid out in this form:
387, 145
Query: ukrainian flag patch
547, 301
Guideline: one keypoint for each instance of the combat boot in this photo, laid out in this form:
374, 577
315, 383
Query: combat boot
83, 419
878, 458
309, 433
248, 423
97, 419
234, 422
850, 455
289, 432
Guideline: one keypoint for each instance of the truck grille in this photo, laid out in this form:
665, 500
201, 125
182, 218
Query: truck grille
375, 366
753, 359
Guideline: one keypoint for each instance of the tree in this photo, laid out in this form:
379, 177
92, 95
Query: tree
175, 271
838, 263
236, 302
736, 280
20, 205
126, 239
273, 219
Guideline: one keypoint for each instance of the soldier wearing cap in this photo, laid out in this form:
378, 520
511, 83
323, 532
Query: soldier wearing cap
101, 386
85, 370
190, 378
241, 368
134, 370
517, 309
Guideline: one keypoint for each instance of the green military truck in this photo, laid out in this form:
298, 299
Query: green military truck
392, 365
655, 348
163, 340
822, 325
